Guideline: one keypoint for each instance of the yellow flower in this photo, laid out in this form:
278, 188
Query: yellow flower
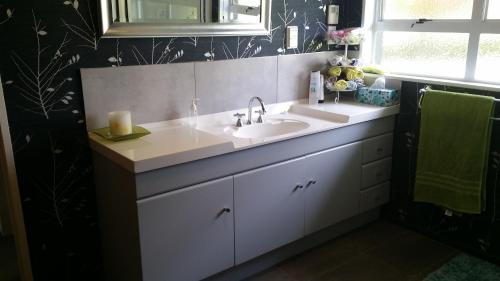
341, 85
335, 71
350, 74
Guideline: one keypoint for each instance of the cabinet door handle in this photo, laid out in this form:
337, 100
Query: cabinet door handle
298, 186
310, 183
223, 211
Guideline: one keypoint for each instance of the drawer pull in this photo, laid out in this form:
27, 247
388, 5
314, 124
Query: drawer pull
298, 186
379, 174
380, 150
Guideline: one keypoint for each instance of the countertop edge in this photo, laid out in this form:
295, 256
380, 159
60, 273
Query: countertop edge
159, 162
114, 156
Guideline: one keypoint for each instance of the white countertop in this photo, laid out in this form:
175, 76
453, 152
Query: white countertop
175, 142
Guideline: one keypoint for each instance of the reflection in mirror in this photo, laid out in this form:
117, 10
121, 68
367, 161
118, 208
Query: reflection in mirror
186, 11
184, 18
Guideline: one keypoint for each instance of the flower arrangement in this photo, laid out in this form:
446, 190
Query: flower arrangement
341, 78
349, 36
346, 37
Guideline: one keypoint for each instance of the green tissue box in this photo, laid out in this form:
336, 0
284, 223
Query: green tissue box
380, 97
137, 132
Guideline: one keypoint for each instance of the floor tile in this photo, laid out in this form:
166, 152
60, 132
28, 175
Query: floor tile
274, 274
378, 251
362, 268
320, 260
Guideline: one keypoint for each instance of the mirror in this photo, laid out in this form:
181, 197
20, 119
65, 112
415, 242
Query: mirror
172, 18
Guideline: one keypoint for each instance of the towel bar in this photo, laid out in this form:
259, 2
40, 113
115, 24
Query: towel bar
428, 88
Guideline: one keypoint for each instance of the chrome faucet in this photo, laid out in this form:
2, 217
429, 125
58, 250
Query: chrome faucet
261, 112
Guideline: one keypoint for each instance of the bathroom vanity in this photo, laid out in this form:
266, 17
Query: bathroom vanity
191, 203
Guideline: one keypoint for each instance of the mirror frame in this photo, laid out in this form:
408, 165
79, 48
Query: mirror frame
137, 30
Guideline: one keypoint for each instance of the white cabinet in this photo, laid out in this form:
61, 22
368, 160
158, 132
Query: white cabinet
269, 208
281, 203
332, 191
163, 225
187, 234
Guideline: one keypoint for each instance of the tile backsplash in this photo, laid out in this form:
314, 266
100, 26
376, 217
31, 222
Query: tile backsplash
228, 85
293, 74
151, 93
164, 92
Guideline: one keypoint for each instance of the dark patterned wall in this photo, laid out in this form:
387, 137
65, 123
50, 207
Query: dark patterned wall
43, 45
478, 234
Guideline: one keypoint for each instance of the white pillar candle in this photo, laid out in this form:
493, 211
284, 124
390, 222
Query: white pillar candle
120, 123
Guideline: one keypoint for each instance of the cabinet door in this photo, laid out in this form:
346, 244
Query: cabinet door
332, 192
269, 208
187, 234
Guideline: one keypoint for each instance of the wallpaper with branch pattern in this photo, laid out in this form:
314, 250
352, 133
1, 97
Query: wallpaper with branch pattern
44, 43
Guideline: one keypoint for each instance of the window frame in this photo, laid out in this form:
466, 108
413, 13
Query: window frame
374, 23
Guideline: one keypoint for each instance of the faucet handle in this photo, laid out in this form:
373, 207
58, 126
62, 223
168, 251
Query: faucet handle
239, 116
260, 112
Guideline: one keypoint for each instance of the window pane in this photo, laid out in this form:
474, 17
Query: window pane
239, 11
429, 9
425, 53
494, 9
488, 61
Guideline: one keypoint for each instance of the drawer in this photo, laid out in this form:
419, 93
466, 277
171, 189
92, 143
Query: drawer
376, 172
374, 197
377, 148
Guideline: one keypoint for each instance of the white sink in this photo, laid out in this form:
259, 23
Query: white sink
271, 127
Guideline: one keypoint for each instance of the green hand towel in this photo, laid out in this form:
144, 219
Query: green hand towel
453, 150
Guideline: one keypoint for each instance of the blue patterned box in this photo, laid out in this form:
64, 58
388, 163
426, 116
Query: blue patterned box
380, 97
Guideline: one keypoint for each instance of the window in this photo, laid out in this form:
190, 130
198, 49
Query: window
494, 9
425, 53
457, 39
488, 59
429, 9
